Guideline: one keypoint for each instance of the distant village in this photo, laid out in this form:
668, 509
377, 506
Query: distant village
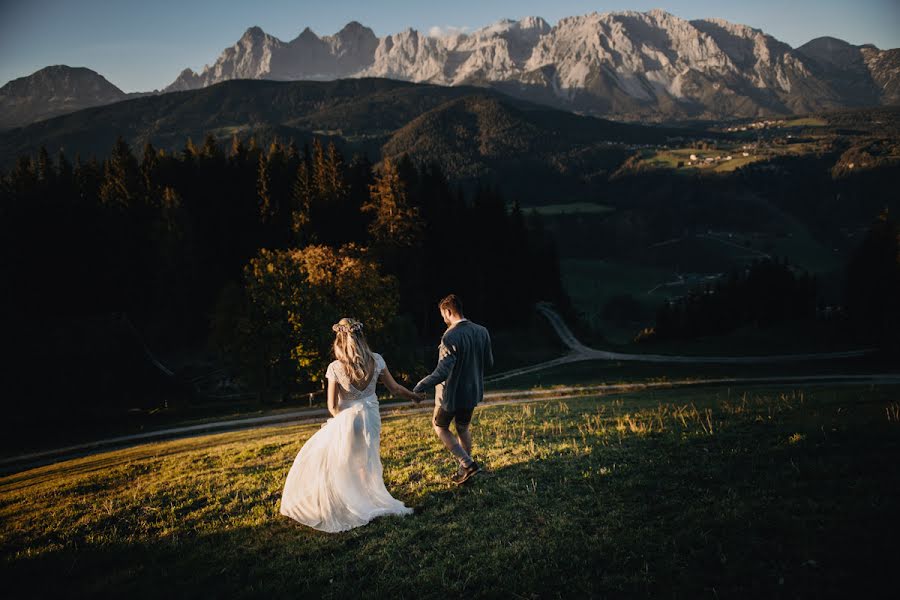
764, 124
700, 160
770, 137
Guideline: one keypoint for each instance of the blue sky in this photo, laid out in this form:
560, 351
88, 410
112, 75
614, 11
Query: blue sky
140, 45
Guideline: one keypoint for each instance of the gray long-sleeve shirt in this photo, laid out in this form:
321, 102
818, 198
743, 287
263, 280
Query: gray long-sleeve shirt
458, 379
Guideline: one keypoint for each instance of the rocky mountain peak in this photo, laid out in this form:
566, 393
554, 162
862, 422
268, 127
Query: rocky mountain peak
307, 34
353, 27
355, 36
254, 33
52, 91
535, 24
831, 52
62, 81
626, 63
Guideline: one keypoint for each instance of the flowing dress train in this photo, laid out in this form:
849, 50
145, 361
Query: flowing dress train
336, 481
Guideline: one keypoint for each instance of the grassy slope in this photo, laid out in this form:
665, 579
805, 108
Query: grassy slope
769, 493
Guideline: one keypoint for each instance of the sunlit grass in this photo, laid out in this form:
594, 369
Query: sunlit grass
680, 158
750, 492
806, 122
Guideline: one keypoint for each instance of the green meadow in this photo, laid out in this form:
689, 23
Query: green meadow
763, 492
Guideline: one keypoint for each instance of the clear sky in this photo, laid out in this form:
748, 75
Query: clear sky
141, 45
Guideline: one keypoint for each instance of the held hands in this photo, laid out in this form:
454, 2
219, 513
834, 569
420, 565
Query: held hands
417, 394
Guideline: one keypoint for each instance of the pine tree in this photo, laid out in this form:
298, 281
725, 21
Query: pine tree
64, 171
44, 167
334, 181
238, 152
210, 147
87, 181
120, 177
395, 221
293, 152
190, 148
276, 150
170, 204
149, 167
302, 194
280, 179
263, 189
319, 169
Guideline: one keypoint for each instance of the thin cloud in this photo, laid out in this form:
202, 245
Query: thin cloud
447, 30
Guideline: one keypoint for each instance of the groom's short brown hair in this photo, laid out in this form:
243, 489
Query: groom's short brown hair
451, 303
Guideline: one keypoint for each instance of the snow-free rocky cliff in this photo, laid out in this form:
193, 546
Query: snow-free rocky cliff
628, 64
624, 65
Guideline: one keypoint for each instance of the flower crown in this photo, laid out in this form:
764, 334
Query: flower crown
351, 327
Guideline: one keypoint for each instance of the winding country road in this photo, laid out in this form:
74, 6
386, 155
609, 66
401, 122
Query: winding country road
582, 352
577, 352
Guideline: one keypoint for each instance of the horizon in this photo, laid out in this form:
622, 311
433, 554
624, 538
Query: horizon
151, 59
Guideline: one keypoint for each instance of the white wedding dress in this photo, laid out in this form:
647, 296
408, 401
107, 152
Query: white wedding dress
336, 481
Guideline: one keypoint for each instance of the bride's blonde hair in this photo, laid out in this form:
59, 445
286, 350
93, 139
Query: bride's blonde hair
351, 348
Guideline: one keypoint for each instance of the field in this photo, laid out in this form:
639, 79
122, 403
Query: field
672, 158
572, 208
806, 122
756, 492
679, 159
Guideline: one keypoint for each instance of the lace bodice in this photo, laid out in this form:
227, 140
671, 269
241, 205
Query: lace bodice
347, 392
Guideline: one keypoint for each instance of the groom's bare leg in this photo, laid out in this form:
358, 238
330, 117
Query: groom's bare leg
447, 438
451, 443
465, 437
441, 423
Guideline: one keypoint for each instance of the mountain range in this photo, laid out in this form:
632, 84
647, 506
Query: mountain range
627, 65
477, 135
624, 65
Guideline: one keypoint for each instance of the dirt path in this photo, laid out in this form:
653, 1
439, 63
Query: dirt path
577, 352
319, 415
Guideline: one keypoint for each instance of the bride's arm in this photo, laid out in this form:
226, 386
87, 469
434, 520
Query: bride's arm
332, 398
398, 390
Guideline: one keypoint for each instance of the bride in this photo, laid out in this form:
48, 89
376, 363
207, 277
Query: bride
336, 480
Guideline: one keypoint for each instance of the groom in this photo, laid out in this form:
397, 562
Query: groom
459, 379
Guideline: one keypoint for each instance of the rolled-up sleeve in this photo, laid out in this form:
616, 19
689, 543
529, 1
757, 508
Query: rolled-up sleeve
446, 360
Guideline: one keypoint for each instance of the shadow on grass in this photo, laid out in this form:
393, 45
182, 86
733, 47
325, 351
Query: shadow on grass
743, 513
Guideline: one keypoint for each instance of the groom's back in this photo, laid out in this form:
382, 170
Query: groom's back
471, 344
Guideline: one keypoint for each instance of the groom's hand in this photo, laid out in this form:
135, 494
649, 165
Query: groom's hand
419, 397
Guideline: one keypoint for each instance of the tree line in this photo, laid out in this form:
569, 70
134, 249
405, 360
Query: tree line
254, 250
770, 292
767, 292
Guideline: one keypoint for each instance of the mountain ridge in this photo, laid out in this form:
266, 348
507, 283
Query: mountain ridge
371, 116
625, 65
55, 90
